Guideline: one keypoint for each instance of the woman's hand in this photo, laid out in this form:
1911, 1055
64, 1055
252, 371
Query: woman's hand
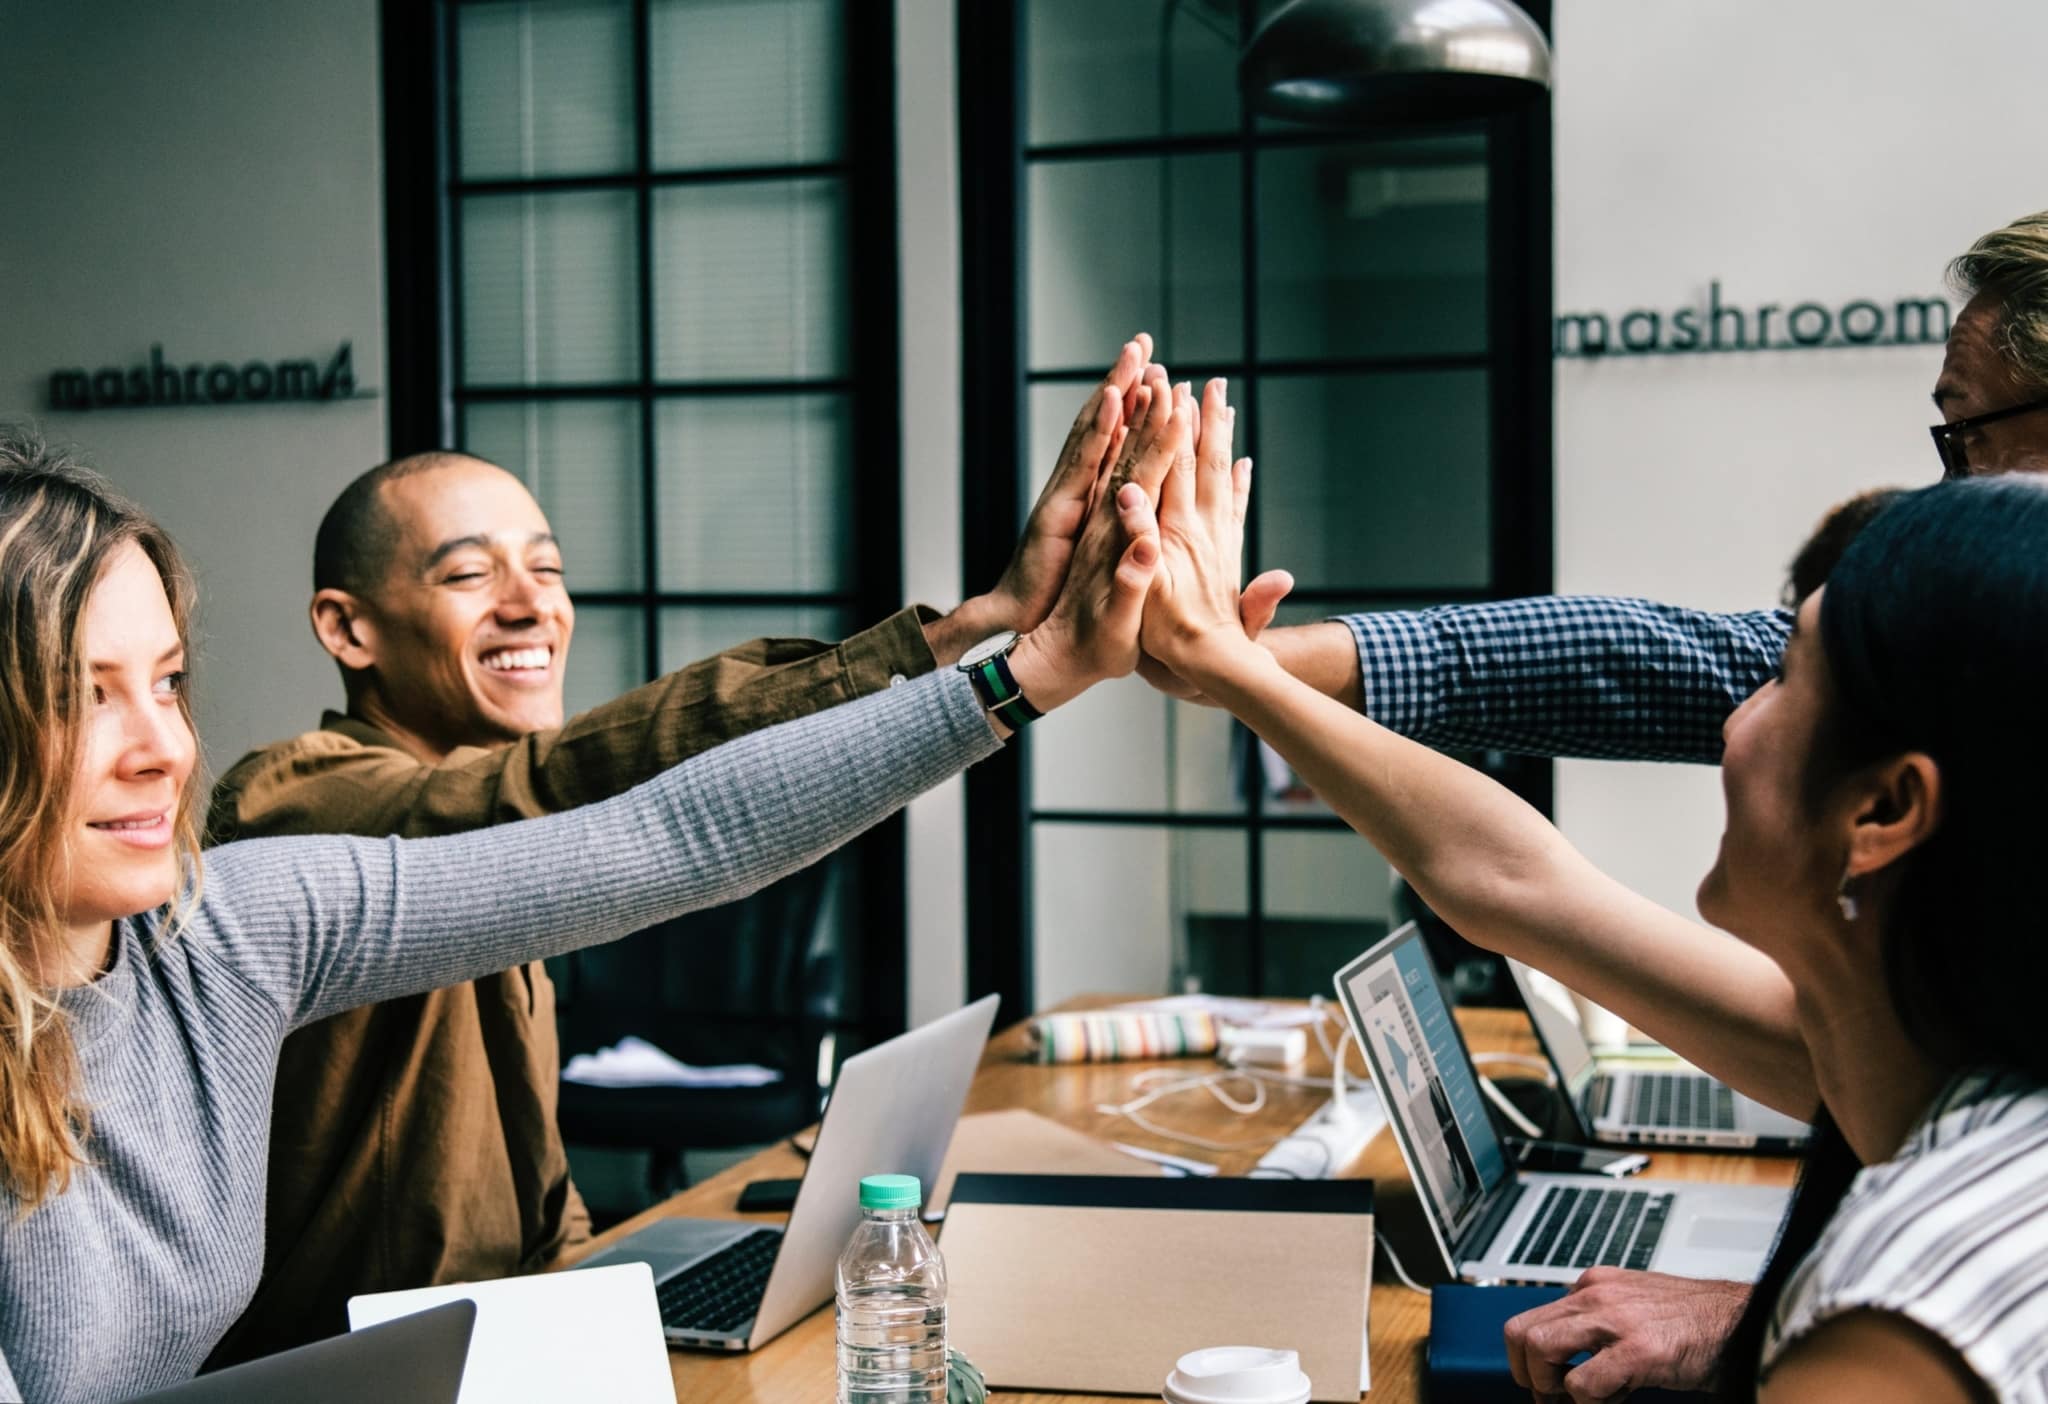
1195, 617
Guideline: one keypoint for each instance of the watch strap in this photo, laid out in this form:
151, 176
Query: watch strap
1000, 695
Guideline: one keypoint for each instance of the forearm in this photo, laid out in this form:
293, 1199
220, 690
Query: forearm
329, 924
1323, 655
1504, 878
1597, 676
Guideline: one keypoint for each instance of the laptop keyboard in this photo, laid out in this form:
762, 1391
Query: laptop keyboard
722, 1292
1683, 1102
1582, 1227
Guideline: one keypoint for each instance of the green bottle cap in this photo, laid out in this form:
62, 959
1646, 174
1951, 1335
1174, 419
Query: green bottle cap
891, 1192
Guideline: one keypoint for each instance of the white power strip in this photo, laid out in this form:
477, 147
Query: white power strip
1326, 1144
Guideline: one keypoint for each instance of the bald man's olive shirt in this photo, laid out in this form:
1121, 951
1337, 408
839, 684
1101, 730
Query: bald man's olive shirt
414, 1141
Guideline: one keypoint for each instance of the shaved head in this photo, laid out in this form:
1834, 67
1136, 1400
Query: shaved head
358, 537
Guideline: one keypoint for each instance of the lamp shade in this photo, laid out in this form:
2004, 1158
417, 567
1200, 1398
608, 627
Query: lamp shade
1353, 62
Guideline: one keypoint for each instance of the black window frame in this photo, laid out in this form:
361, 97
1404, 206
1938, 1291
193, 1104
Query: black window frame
994, 160
423, 191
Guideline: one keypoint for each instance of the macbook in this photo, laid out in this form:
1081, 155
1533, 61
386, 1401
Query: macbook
728, 1285
1617, 1104
415, 1360
1491, 1223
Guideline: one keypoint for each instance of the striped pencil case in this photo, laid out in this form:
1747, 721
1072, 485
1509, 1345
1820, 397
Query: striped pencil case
1111, 1036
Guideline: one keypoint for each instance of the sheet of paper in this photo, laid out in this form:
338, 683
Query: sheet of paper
634, 1062
594, 1334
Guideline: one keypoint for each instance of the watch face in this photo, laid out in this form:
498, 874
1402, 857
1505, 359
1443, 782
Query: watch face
988, 648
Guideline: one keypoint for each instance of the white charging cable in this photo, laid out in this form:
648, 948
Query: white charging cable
1158, 1082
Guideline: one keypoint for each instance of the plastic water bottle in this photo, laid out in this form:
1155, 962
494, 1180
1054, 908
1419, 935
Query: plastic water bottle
891, 1307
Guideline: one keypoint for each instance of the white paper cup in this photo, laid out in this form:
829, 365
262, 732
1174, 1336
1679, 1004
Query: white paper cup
1237, 1375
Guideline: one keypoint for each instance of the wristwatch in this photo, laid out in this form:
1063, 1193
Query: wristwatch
987, 664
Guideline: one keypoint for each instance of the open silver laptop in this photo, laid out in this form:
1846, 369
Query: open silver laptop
416, 1359
1490, 1223
729, 1285
1631, 1106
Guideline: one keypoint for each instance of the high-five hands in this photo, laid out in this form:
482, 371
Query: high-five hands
1196, 614
1154, 572
1091, 632
1037, 569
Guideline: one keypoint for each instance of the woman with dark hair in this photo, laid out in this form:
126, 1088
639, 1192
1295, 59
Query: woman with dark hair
143, 998
1884, 822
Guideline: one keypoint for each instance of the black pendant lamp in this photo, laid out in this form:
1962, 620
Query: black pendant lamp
1378, 62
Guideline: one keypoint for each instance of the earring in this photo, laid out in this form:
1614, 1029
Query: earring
1846, 900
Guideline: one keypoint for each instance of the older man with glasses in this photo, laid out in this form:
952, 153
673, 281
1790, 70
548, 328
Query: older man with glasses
1631, 679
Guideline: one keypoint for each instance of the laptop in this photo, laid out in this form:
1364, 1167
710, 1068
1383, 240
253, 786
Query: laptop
1491, 1223
1616, 1104
415, 1360
729, 1285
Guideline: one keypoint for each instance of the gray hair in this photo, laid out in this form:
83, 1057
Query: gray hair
2012, 265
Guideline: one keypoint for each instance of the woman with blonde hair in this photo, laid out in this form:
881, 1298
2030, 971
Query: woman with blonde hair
142, 1000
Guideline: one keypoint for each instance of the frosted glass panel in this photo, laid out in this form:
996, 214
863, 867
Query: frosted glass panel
549, 289
1099, 72
545, 89
1105, 263
581, 459
1373, 250
1375, 481
1100, 910
750, 280
1124, 746
605, 656
1328, 897
746, 82
756, 493
691, 632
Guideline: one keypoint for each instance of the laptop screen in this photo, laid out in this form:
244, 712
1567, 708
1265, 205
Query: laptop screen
1557, 1029
1425, 1076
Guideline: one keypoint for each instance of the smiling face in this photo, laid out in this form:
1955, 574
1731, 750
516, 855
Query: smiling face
467, 637
136, 751
1783, 848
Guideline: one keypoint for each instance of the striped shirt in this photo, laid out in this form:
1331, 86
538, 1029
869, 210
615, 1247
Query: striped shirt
1566, 675
1951, 1233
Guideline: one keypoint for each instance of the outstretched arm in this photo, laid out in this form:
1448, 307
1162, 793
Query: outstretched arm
1556, 675
324, 924
1492, 866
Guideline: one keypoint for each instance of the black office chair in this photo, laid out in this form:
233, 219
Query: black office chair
752, 982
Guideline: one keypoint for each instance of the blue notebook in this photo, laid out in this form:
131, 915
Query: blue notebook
1468, 1357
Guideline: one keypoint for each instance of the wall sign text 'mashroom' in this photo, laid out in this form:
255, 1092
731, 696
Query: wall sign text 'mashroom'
1713, 326
160, 383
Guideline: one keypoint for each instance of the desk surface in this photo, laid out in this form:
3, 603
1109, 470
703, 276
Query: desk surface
799, 1364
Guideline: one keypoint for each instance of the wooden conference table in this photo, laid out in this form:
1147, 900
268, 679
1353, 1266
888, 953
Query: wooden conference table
798, 1365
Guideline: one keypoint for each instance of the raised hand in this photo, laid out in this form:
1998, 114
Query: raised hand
1031, 582
1196, 604
1091, 632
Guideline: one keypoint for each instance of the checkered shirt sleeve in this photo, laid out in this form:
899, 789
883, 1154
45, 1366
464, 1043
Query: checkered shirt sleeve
1566, 675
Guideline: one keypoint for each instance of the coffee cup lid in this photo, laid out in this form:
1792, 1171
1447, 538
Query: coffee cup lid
1237, 1375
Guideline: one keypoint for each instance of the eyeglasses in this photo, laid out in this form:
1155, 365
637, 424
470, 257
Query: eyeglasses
1948, 438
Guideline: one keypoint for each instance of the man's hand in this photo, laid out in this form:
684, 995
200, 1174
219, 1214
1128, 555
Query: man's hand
1024, 596
1092, 630
1646, 1330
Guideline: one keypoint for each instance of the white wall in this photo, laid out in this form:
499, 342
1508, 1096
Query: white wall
207, 174
928, 253
1824, 150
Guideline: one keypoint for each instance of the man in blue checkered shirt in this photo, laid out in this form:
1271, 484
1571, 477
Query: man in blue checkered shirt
1632, 679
